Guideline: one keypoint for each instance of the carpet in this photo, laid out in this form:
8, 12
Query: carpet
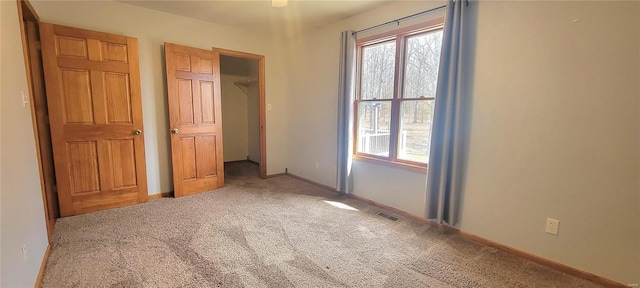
278, 232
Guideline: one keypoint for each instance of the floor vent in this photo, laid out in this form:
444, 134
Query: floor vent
385, 215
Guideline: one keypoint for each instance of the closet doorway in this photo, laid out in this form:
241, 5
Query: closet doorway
243, 107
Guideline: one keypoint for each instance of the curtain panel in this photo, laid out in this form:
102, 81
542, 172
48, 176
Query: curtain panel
446, 157
346, 98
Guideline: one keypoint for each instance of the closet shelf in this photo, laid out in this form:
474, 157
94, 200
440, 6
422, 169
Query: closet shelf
244, 84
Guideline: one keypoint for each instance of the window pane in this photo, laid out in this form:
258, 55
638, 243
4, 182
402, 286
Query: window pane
378, 66
422, 60
373, 125
415, 130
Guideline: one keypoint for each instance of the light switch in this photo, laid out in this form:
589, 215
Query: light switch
269, 107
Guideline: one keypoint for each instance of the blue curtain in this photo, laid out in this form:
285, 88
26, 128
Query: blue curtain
346, 97
445, 170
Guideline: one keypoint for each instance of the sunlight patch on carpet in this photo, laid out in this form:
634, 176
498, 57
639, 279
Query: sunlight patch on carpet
340, 205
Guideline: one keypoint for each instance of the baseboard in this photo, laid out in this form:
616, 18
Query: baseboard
276, 175
43, 265
475, 238
161, 195
332, 189
540, 260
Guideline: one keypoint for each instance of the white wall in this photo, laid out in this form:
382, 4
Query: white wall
153, 28
234, 119
555, 133
555, 129
22, 212
313, 73
398, 188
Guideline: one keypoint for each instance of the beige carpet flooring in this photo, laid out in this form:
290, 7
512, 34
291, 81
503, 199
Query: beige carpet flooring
278, 232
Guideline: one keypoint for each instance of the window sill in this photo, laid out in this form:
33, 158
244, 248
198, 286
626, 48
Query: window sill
399, 165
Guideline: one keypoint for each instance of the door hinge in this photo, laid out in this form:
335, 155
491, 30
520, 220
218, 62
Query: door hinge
38, 45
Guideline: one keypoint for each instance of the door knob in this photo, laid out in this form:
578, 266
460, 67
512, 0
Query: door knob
137, 132
175, 131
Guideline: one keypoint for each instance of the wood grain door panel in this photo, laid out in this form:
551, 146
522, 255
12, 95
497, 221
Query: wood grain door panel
76, 96
123, 153
95, 107
207, 145
207, 102
117, 97
193, 85
188, 153
185, 101
83, 167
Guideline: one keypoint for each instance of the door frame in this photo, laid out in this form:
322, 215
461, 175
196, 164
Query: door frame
26, 13
262, 97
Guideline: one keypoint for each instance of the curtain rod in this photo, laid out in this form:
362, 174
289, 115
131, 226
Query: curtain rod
400, 19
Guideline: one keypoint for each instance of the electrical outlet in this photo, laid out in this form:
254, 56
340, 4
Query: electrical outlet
317, 164
552, 226
25, 99
24, 254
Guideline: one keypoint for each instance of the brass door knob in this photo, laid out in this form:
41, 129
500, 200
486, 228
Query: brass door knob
137, 132
175, 131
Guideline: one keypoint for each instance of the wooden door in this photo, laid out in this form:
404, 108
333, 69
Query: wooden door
93, 94
195, 118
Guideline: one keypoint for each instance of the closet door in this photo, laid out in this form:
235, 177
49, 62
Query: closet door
93, 94
195, 118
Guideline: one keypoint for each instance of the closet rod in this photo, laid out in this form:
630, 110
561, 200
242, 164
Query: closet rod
400, 19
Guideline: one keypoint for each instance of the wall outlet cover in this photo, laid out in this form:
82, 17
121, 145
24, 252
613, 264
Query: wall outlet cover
552, 226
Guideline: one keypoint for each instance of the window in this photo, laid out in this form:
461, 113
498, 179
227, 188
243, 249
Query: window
397, 79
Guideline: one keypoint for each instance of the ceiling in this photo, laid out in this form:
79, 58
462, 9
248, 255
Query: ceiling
260, 17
